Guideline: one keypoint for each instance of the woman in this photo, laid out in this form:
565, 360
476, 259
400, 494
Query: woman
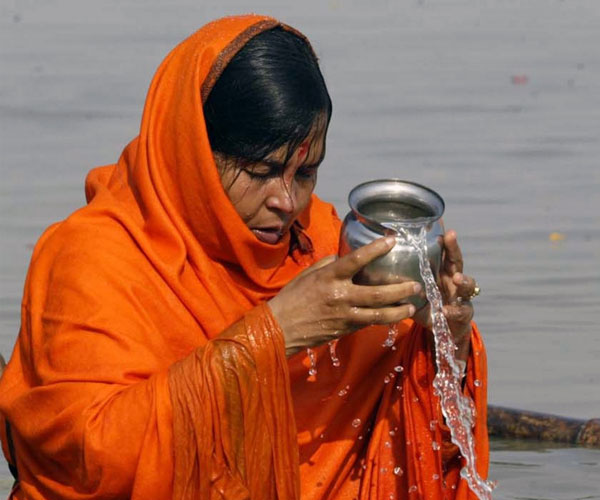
156, 320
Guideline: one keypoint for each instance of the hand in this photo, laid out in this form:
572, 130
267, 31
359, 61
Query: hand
457, 289
322, 303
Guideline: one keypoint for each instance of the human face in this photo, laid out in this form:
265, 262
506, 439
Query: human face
271, 194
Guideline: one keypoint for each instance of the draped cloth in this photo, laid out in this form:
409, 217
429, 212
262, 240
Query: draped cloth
148, 364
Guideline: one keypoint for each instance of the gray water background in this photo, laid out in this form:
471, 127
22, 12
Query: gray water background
422, 90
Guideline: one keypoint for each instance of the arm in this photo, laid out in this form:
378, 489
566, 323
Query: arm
88, 391
245, 442
219, 418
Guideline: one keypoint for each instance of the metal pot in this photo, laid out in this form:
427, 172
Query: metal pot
382, 207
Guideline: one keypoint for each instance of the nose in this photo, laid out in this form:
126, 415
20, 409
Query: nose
281, 196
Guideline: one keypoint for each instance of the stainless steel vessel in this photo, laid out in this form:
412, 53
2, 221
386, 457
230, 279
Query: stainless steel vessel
380, 208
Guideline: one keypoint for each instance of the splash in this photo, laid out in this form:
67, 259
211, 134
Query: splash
457, 408
391, 338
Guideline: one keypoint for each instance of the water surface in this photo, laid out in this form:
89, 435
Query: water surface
494, 104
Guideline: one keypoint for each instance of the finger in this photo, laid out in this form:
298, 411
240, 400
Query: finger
382, 315
460, 314
465, 285
325, 261
453, 259
383, 295
348, 265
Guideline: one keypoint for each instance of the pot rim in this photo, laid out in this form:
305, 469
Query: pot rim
424, 195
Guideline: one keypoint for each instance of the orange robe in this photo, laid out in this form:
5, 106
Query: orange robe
148, 364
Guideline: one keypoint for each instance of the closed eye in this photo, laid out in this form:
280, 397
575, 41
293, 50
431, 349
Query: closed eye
268, 169
307, 172
263, 171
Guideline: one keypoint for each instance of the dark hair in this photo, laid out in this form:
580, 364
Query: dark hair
270, 94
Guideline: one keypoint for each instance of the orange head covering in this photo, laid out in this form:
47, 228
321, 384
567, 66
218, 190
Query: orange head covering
114, 389
170, 195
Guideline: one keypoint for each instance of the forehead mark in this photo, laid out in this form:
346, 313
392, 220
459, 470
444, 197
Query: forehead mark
303, 151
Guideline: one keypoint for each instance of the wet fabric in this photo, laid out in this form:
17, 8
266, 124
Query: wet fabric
148, 364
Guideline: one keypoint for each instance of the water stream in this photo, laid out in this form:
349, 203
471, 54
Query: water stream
457, 408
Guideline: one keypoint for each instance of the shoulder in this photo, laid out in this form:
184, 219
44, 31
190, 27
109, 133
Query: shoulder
84, 252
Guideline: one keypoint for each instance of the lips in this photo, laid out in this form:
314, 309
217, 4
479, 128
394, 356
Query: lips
270, 235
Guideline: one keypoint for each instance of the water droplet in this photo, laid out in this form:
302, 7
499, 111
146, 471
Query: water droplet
391, 338
335, 361
435, 446
408, 443
360, 438
433, 425
477, 383
386, 380
413, 489
392, 433
435, 477
312, 358
398, 471
398, 388
383, 470
342, 393
415, 399
398, 368
322, 436
356, 422
388, 444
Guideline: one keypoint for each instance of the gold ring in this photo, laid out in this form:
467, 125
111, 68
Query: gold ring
476, 292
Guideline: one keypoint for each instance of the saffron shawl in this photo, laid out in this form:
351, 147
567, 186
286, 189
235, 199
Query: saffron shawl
148, 364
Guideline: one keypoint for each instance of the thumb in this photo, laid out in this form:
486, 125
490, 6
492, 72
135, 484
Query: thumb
325, 261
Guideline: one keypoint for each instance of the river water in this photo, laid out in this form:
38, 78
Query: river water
493, 103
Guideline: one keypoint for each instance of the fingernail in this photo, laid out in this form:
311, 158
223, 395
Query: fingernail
417, 287
411, 310
390, 241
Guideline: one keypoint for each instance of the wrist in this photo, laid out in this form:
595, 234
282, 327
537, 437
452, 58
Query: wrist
290, 347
